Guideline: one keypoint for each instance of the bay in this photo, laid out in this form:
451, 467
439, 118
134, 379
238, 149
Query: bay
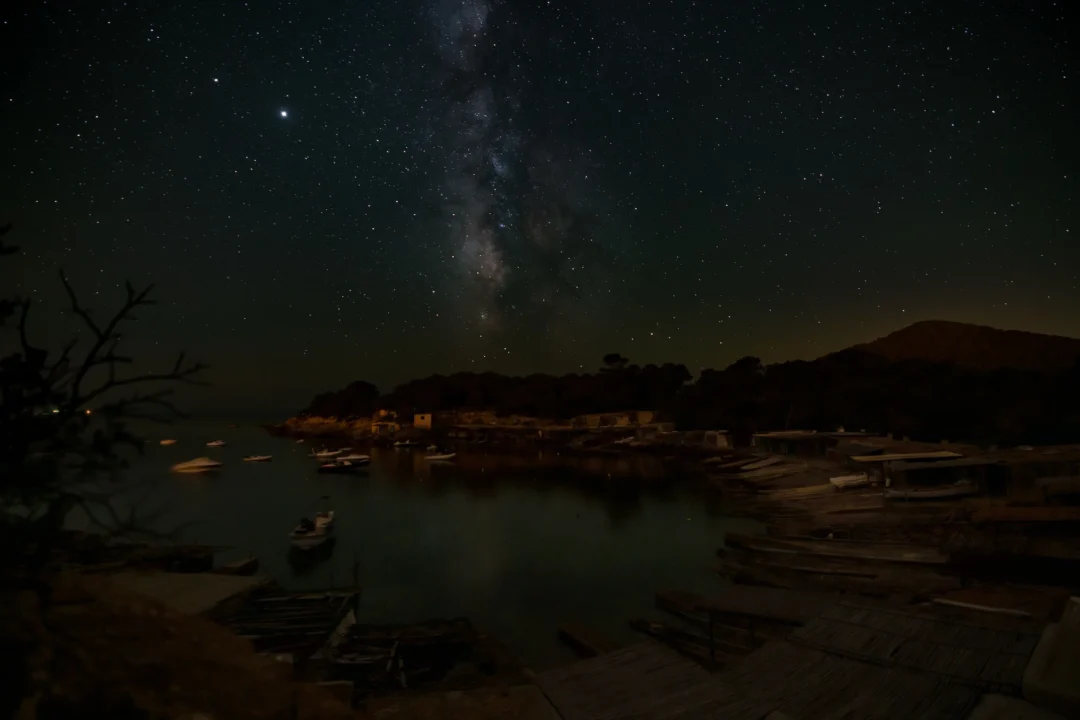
518, 544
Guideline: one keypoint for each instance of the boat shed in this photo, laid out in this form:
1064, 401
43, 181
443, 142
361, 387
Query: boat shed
986, 473
878, 466
1027, 468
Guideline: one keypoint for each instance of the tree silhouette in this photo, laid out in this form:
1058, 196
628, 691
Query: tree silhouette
615, 361
63, 426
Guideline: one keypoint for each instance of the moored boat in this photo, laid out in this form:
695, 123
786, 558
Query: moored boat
258, 458
324, 453
167, 441
198, 465
310, 534
406, 443
216, 443
443, 457
343, 466
355, 458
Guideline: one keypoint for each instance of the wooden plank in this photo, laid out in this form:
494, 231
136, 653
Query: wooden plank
629, 682
585, 641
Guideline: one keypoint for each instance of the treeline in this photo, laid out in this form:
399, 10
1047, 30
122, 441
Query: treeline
853, 388
617, 387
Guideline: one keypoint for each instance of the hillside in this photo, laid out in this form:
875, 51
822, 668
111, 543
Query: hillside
977, 347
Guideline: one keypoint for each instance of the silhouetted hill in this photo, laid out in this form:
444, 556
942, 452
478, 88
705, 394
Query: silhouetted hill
977, 347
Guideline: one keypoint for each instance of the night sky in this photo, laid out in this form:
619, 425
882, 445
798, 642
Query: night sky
331, 191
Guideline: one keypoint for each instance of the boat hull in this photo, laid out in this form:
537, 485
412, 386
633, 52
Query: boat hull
309, 542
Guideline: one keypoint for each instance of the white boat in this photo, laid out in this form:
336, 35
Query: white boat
258, 458
343, 466
324, 453
440, 456
311, 534
216, 443
406, 443
198, 465
167, 441
850, 481
354, 458
957, 489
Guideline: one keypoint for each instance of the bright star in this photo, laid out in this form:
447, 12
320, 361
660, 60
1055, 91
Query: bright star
284, 113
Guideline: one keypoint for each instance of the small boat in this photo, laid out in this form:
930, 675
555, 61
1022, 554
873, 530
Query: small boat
957, 489
216, 443
355, 458
324, 453
406, 443
434, 457
198, 465
309, 534
167, 441
432, 448
301, 440
258, 458
343, 466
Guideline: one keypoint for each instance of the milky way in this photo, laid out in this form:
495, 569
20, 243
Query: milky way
514, 200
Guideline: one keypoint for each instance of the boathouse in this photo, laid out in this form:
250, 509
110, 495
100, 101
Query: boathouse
984, 474
1035, 475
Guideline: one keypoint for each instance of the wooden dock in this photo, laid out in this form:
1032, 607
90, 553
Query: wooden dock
850, 660
989, 658
645, 680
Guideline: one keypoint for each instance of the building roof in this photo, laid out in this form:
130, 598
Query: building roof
889, 457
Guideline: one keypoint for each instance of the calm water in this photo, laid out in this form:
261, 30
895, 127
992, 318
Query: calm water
518, 545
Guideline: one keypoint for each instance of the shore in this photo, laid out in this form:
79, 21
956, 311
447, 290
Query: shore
936, 582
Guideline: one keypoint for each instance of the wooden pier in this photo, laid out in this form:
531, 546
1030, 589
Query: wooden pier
852, 659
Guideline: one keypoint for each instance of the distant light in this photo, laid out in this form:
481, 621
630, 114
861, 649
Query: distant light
215, 79
56, 411
89, 411
284, 113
